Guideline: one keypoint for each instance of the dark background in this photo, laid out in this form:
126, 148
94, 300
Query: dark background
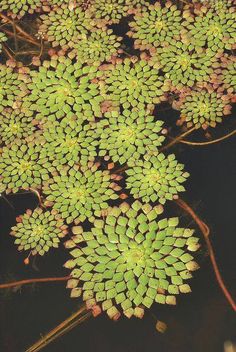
201, 322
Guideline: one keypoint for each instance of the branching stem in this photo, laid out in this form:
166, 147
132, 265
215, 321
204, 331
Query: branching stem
177, 139
19, 29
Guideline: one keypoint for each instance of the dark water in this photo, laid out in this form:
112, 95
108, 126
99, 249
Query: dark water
200, 322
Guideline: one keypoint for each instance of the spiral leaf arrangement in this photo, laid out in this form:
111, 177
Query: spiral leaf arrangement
38, 231
135, 84
203, 109
80, 192
130, 135
155, 179
131, 258
60, 88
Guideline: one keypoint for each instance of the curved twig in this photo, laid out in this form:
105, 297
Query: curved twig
205, 231
208, 142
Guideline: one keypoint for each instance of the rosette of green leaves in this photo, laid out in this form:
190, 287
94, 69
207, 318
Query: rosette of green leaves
80, 192
203, 109
15, 124
111, 11
97, 47
3, 38
158, 178
38, 231
22, 167
156, 26
67, 144
135, 84
19, 8
60, 88
63, 26
129, 135
212, 30
184, 66
11, 88
130, 260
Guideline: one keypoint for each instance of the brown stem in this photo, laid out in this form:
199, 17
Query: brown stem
209, 142
205, 231
7, 52
11, 34
19, 29
177, 139
30, 281
120, 170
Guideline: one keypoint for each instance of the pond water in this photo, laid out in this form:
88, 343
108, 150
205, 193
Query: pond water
201, 322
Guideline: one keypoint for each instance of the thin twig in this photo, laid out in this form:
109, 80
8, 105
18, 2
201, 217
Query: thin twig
209, 142
205, 231
177, 139
61, 332
30, 281
15, 36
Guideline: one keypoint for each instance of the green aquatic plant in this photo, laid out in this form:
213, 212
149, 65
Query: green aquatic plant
156, 179
22, 167
213, 30
80, 192
129, 135
60, 88
156, 26
111, 11
228, 74
130, 260
18, 8
184, 66
217, 5
202, 108
38, 231
135, 84
97, 47
15, 124
63, 26
11, 87
3, 38
69, 144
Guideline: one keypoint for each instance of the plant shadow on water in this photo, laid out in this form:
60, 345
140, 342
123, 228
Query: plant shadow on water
201, 322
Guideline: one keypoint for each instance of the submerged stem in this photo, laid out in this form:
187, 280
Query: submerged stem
205, 231
19, 29
78, 317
